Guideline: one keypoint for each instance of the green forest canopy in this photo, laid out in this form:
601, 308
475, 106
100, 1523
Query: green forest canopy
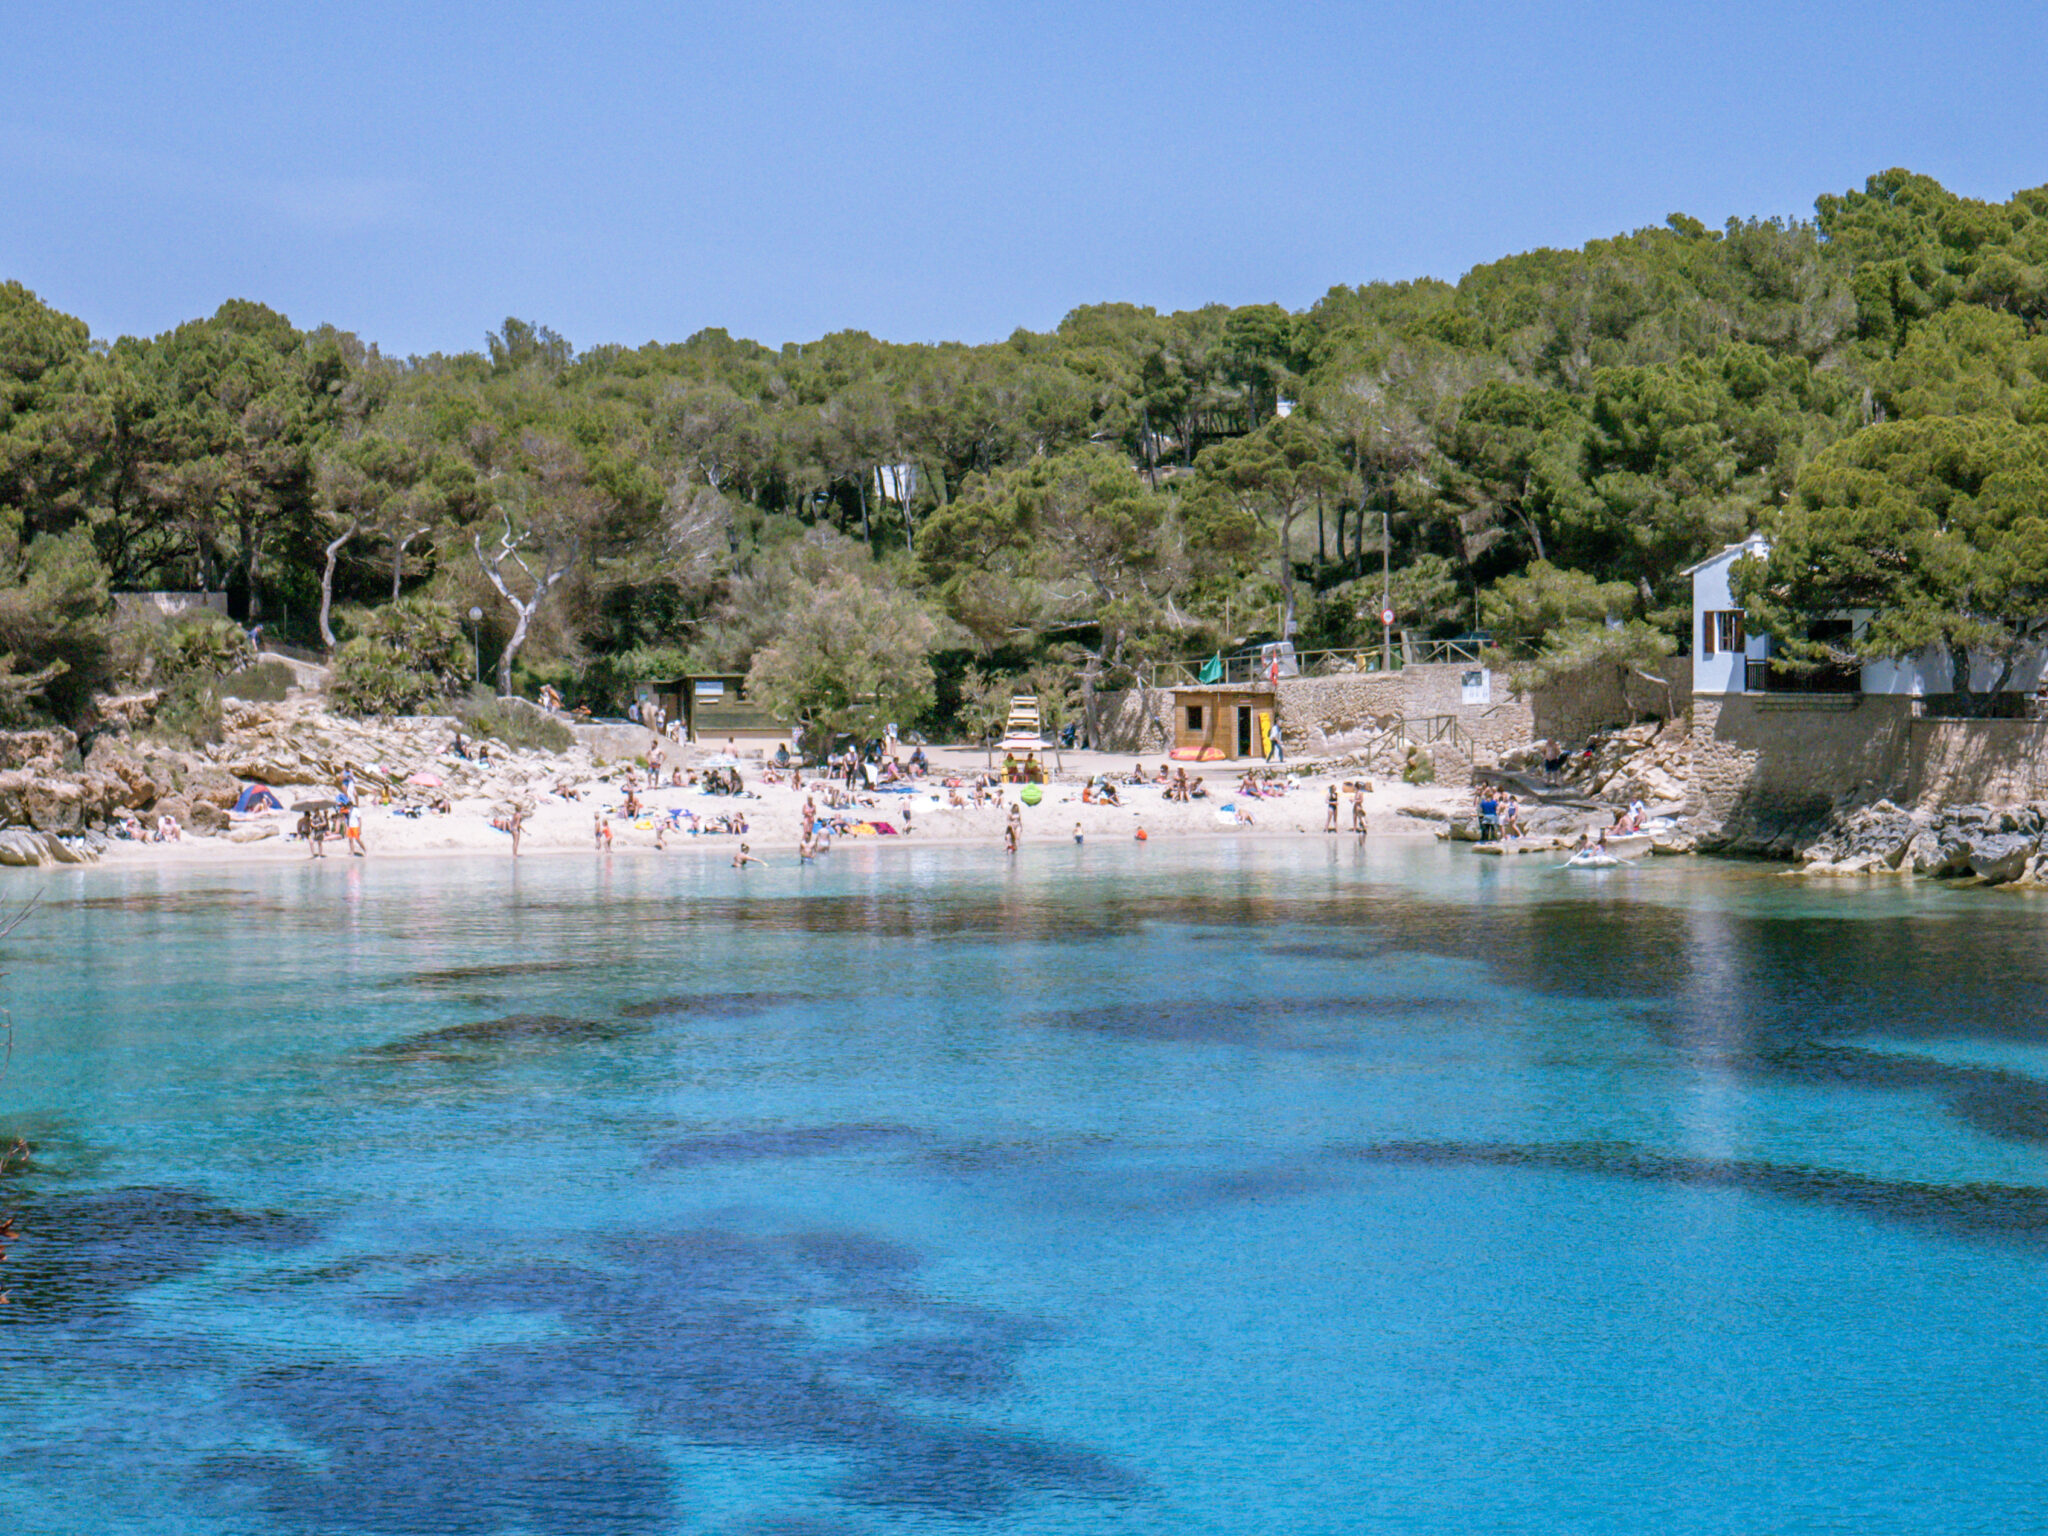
1128, 486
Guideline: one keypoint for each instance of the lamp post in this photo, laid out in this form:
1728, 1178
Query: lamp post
476, 664
1386, 604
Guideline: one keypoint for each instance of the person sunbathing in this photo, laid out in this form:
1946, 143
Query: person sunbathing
1108, 796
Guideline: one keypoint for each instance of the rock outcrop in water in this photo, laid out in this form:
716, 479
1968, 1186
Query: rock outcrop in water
1993, 845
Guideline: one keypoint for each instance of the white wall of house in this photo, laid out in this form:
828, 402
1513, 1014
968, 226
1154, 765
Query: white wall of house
1914, 676
1929, 672
1723, 670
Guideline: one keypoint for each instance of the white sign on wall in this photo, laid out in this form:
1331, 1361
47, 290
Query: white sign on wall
1478, 686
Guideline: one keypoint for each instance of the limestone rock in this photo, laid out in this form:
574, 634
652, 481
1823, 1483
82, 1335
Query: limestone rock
129, 711
25, 848
143, 776
1999, 857
46, 750
206, 818
211, 786
253, 832
21, 848
1868, 838
54, 805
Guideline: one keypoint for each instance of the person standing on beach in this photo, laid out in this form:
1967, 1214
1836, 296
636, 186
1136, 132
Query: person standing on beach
355, 831
597, 830
313, 828
518, 821
1358, 809
1276, 746
1330, 821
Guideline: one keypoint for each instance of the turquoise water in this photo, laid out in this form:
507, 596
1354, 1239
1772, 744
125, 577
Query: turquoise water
1233, 1188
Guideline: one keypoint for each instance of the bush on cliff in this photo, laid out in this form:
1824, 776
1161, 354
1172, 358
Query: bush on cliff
516, 723
412, 654
53, 630
197, 645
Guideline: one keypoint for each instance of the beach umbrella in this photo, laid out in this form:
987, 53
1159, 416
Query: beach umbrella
425, 780
314, 805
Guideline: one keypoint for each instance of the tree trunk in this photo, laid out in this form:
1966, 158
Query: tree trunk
505, 657
556, 568
1286, 575
1091, 706
398, 562
327, 583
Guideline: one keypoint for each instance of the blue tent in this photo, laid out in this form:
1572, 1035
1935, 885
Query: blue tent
257, 797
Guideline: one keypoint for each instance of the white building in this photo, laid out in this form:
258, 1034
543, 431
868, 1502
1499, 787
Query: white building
1726, 658
1722, 646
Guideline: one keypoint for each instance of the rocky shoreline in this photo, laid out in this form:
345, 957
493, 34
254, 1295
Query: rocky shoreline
60, 797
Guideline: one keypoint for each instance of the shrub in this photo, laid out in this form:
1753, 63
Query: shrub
517, 724
198, 645
54, 648
189, 713
412, 653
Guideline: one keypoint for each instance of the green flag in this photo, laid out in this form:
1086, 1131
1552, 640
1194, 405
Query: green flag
1212, 670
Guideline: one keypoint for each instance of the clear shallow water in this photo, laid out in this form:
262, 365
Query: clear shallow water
1230, 1188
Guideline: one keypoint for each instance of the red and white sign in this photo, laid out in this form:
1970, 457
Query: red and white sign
1386, 615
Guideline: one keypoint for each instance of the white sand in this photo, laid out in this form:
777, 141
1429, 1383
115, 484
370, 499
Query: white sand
775, 816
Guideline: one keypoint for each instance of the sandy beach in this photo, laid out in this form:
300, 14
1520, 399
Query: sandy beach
559, 824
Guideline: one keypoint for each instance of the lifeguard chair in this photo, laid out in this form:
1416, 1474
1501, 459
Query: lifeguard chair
1024, 732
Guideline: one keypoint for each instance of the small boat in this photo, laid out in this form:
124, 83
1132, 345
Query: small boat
1592, 858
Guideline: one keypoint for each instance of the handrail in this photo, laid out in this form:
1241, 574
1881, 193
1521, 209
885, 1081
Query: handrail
1243, 669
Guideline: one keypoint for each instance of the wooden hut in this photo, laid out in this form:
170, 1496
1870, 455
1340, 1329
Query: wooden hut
714, 708
1214, 721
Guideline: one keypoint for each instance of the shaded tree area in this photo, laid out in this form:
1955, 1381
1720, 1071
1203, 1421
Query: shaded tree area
1542, 446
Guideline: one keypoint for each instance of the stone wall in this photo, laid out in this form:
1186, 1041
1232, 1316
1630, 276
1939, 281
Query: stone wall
1785, 760
1978, 762
1330, 716
1600, 699
1340, 713
157, 607
1505, 723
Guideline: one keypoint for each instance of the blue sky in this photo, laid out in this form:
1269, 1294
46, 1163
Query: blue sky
631, 171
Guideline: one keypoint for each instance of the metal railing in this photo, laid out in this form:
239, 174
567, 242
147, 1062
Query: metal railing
1238, 671
1431, 730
